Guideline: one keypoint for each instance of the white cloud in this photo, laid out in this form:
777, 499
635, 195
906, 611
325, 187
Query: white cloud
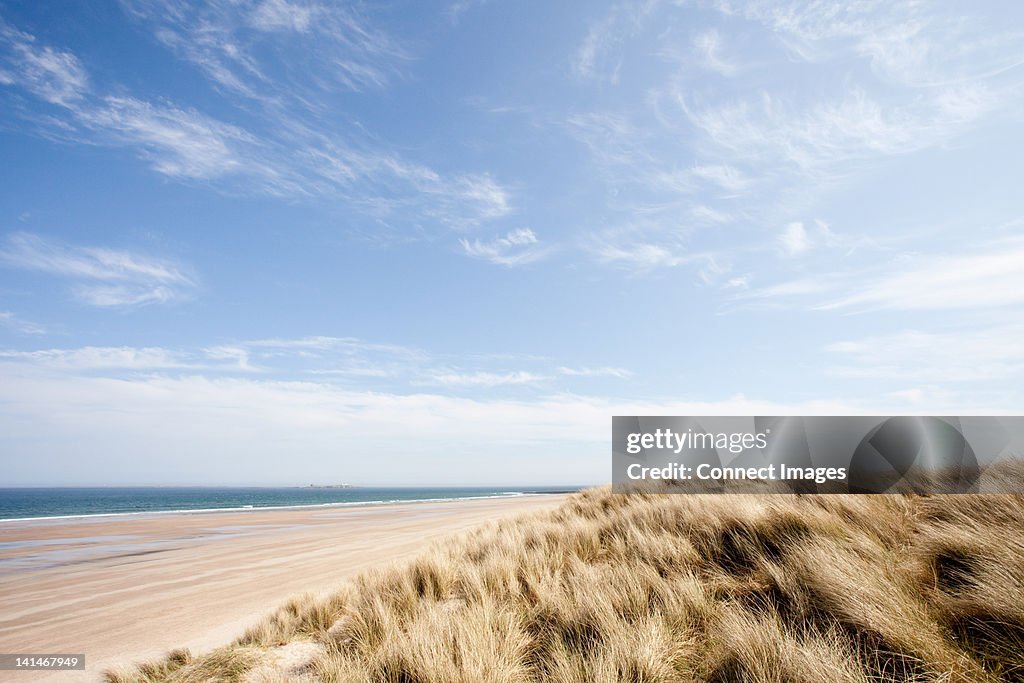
53, 75
613, 140
193, 428
181, 143
321, 354
619, 373
642, 257
965, 102
596, 42
19, 324
90, 358
481, 191
178, 142
26, 250
273, 15
395, 366
100, 276
723, 175
123, 295
988, 278
783, 294
238, 354
344, 345
332, 45
854, 127
327, 343
515, 248
485, 379
459, 7
911, 43
595, 57
708, 46
295, 155
335, 356
985, 353
380, 182
639, 255
854, 90
217, 55
742, 282
794, 239
705, 214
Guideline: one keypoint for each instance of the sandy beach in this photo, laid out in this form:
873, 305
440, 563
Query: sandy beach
125, 588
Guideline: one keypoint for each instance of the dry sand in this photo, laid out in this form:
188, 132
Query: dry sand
121, 589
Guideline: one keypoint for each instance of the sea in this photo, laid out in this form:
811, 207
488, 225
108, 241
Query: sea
36, 503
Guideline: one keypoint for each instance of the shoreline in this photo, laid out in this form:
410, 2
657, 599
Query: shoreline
131, 587
299, 506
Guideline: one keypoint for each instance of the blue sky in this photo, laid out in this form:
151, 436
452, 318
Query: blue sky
270, 241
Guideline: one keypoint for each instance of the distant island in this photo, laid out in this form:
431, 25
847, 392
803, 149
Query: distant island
330, 486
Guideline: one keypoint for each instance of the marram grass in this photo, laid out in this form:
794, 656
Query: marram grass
731, 588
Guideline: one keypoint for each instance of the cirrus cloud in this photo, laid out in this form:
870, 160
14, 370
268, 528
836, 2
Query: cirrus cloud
101, 276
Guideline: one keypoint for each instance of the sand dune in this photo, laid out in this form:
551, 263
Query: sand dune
668, 589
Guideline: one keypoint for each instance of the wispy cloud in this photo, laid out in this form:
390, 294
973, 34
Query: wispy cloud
515, 248
905, 42
238, 355
987, 278
707, 216
395, 364
382, 183
708, 47
335, 356
595, 57
289, 151
346, 345
641, 256
620, 373
613, 139
985, 352
893, 81
227, 41
179, 143
100, 276
459, 7
346, 361
281, 15
322, 426
794, 239
798, 293
485, 379
19, 325
102, 358
53, 75
638, 256
593, 47
854, 127
723, 175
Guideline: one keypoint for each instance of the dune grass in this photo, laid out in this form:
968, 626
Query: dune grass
773, 588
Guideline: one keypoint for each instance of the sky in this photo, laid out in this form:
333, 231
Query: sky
284, 241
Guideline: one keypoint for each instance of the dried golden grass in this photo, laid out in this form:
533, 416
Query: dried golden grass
644, 588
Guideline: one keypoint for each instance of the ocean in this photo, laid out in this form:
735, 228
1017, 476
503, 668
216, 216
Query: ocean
27, 503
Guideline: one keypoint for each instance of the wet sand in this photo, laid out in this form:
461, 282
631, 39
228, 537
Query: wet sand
120, 589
